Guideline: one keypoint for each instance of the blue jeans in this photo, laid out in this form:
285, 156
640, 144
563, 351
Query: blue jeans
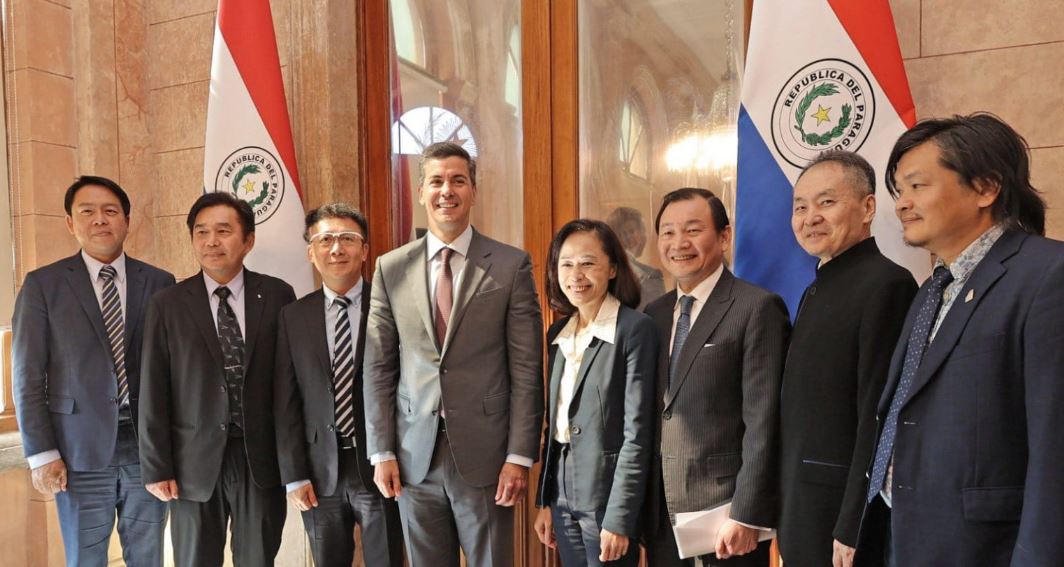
578, 533
92, 499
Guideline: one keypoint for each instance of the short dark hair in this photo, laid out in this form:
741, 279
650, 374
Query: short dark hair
338, 210
444, 150
981, 146
860, 174
221, 198
84, 180
624, 286
716, 206
623, 215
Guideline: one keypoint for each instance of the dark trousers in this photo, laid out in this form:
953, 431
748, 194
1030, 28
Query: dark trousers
875, 542
198, 529
662, 551
443, 512
88, 507
331, 526
579, 533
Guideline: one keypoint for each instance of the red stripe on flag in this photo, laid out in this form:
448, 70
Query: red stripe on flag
870, 26
247, 29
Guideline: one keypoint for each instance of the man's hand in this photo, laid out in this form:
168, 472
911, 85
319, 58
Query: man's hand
734, 538
513, 479
612, 546
841, 554
50, 478
386, 477
544, 526
303, 498
165, 490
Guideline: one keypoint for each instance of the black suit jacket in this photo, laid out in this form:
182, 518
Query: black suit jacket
836, 367
979, 452
304, 398
718, 425
184, 409
611, 422
65, 383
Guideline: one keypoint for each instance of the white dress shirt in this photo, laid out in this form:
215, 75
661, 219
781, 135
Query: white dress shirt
236, 299
573, 344
93, 266
332, 313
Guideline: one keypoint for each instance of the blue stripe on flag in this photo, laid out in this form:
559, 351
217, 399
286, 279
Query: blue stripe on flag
766, 252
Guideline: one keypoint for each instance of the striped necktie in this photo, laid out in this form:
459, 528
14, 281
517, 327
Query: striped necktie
343, 369
116, 330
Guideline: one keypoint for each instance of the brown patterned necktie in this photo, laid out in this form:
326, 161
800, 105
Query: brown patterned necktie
444, 296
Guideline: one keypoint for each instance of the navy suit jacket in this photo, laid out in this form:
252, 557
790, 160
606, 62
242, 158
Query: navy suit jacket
65, 383
979, 452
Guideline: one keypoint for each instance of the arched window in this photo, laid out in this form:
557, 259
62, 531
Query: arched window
409, 40
633, 146
420, 127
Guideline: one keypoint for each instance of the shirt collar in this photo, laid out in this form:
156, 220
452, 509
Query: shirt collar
235, 285
354, 294
604, 327
460, 244
702, 291
966, 262
94, 266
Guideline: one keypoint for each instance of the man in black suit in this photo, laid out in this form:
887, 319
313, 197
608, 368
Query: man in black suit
967, 466
837, 364
718, 389
77, 336
206, 407
321, 430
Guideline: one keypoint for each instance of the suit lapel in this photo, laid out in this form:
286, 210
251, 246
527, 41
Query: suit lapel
136, 298
313, 317
80, 283
986, 274
709, 318
253, 306
585, 365
199, 308
360, 346
557, 368
661, 313
897, 359
418, 265
476, 267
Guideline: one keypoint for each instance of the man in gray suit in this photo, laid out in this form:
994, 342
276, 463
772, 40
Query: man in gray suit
627, 223
718, 389
453, 376
76, 350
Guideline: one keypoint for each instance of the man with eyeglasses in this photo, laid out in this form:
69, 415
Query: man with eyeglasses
321, 435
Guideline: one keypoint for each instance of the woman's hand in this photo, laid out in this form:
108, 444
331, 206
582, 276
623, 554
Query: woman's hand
613, 546
544, 526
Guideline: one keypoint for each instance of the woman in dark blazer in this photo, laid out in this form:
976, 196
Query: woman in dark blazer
603, 358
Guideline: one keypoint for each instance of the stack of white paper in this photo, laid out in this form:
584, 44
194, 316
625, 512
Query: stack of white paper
696, 532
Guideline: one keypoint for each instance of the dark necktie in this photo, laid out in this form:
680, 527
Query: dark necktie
113, 322
914, 354
444, 296
683, 328
232, 343
343, 370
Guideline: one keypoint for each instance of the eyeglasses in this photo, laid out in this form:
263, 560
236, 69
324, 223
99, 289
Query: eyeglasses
327, 239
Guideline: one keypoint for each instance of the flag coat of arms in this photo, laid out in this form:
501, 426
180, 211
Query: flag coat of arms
249, 151
820, 75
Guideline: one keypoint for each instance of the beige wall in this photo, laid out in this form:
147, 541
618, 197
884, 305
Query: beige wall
1004, 57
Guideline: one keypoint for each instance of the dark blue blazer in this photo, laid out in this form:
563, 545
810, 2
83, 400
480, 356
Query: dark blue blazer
611, 420
65, 384
979, 453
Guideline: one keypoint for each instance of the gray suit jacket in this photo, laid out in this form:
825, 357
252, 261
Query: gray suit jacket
719, 422
610, 422
65, 384
488, 376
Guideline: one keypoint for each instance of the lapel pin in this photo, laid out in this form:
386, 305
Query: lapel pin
258, 295
970, 296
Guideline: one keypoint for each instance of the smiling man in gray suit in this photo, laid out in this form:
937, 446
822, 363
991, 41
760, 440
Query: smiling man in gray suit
77, 335
718, 389
453, 376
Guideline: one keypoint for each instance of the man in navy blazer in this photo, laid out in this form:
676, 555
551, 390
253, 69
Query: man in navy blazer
967, 467
77, 336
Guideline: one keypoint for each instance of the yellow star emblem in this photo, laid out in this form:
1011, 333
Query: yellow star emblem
249, 186
821, 115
